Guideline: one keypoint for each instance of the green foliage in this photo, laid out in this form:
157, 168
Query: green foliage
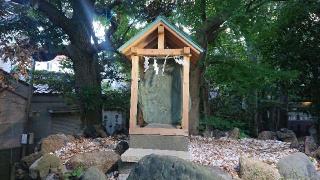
243, 77
90, 97
225, 124
75, 174
57, 82
118, 99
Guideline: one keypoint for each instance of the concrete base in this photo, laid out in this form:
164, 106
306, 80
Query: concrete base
176, 143
133, 155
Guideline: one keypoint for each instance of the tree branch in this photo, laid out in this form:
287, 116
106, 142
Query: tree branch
53, 14
213, 26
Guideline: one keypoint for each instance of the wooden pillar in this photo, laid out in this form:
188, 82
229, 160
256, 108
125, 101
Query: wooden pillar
185, 92
134, 91
160, 37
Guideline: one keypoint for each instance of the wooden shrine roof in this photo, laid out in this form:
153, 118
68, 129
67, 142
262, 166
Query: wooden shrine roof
173, 39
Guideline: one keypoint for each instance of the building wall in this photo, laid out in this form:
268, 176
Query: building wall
68, 123
300, 122
44, 123
12, 119
13, 104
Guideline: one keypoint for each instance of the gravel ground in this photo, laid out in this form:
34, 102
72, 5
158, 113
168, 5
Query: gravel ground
81, 145
225, 153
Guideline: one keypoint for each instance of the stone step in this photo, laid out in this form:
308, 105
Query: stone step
135, 154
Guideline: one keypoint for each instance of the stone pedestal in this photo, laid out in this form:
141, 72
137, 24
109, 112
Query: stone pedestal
175, 143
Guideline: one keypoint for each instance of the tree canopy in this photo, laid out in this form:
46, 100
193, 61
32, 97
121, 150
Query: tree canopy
259, 55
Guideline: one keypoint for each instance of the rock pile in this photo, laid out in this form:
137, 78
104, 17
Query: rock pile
62, 155
84, 145
225, 153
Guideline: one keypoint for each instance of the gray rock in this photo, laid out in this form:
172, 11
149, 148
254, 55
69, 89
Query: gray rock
297, 166
155, 167
55, 142
121, 147
103, 160
316, 153
27, 161
218, 134
214, 133
207, 133
53, 176
266, 135
93, 173
310, 145
287, 135
251, 169
21, 174
159, 107
234, 133
44, 165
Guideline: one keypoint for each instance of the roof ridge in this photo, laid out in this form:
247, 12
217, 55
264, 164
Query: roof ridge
164, 20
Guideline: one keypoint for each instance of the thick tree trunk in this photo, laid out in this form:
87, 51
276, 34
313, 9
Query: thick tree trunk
194, 114
87, 85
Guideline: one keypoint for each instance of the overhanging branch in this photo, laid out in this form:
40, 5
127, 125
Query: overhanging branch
53, 14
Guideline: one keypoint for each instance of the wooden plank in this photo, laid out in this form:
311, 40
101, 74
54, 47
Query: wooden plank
159, 131
157, 52
185, 93
186, 50
134, 91
127, 49
148, 40
160, 37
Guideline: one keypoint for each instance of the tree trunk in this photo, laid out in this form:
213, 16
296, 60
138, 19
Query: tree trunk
194, 114
87, 85
256, 116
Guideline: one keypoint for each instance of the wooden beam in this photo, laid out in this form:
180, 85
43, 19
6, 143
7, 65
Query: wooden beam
134, 91
144, 43
160, 37
127, 49
159, 131
158, 52
186, 50
181, 39
185, 93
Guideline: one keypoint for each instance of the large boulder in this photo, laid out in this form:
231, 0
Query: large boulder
168, 167
55, 142
234, 133
103, 160
44, 165
251, 169
310, 145
93, 173
267, 135
287, 135
297, 166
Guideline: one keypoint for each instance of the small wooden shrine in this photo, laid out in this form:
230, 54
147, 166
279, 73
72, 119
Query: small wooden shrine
162, 42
